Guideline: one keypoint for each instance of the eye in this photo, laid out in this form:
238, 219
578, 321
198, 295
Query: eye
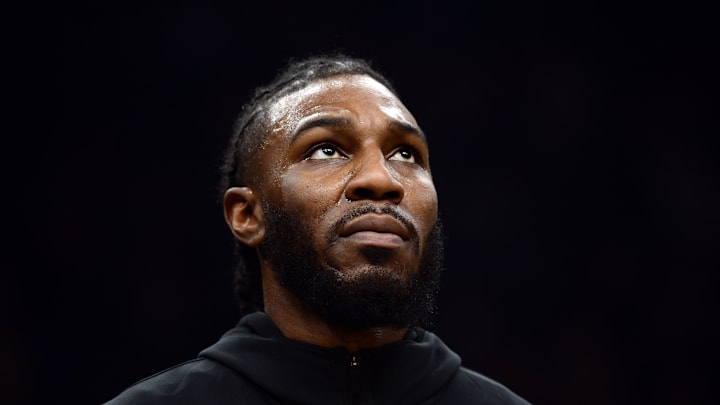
326, 151
404, 155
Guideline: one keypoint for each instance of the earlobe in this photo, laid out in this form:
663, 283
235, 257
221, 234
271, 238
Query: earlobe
244, 215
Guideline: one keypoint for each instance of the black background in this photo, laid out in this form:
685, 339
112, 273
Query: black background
574, 147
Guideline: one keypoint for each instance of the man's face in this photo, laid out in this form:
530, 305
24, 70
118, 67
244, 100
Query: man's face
347, 161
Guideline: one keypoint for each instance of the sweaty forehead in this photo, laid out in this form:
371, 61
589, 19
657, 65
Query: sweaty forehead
335, 93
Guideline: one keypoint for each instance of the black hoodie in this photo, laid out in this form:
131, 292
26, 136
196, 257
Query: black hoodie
254, 363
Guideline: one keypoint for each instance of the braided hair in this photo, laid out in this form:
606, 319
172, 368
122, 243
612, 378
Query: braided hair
250, 131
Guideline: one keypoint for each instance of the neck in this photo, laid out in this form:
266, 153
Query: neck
297, 323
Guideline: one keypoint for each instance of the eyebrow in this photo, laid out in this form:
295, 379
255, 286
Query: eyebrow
346, 123
323, 122
405, 127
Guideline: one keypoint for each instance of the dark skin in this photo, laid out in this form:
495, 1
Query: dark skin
335, 144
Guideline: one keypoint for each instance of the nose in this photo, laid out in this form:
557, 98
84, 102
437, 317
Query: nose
374, 180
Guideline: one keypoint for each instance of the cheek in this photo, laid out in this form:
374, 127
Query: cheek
308, 194
424, 202
311, 198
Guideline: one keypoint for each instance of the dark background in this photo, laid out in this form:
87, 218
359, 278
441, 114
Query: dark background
574, 147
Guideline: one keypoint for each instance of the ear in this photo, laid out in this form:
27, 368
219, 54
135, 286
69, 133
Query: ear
244, 215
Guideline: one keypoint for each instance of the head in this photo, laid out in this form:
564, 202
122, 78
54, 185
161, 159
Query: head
327, 187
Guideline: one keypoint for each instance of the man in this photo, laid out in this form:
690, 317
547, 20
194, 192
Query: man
327, 187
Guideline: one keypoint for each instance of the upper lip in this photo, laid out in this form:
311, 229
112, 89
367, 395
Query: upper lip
376, 223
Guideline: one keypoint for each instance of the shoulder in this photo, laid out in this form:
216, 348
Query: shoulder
469, 386
200, 380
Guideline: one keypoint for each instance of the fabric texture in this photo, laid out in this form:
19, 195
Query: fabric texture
254, 363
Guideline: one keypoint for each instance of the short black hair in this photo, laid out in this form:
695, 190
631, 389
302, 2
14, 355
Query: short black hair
250, 131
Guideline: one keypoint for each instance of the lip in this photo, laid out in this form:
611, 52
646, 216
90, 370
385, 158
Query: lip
378, 223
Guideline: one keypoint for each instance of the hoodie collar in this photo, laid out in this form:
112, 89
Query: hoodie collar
407, 371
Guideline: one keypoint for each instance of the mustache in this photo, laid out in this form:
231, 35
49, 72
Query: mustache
378, 209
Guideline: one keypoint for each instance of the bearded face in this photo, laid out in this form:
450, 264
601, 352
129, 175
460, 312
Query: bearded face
349, 211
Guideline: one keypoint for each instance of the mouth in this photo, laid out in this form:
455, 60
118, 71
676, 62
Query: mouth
381, 230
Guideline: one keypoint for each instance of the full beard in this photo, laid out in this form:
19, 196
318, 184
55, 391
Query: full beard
378, 296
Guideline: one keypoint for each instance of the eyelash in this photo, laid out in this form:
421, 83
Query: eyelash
323, 146
415, 155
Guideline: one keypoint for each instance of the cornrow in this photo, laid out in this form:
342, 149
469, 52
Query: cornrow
250, 131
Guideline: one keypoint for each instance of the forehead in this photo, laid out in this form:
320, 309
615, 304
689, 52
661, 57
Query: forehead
351, 93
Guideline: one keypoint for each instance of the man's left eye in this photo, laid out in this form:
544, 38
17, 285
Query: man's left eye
403, 155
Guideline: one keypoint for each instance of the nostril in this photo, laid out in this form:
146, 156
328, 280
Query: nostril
361, 193
392, 195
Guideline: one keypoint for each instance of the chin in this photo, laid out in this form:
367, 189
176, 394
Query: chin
373, 271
